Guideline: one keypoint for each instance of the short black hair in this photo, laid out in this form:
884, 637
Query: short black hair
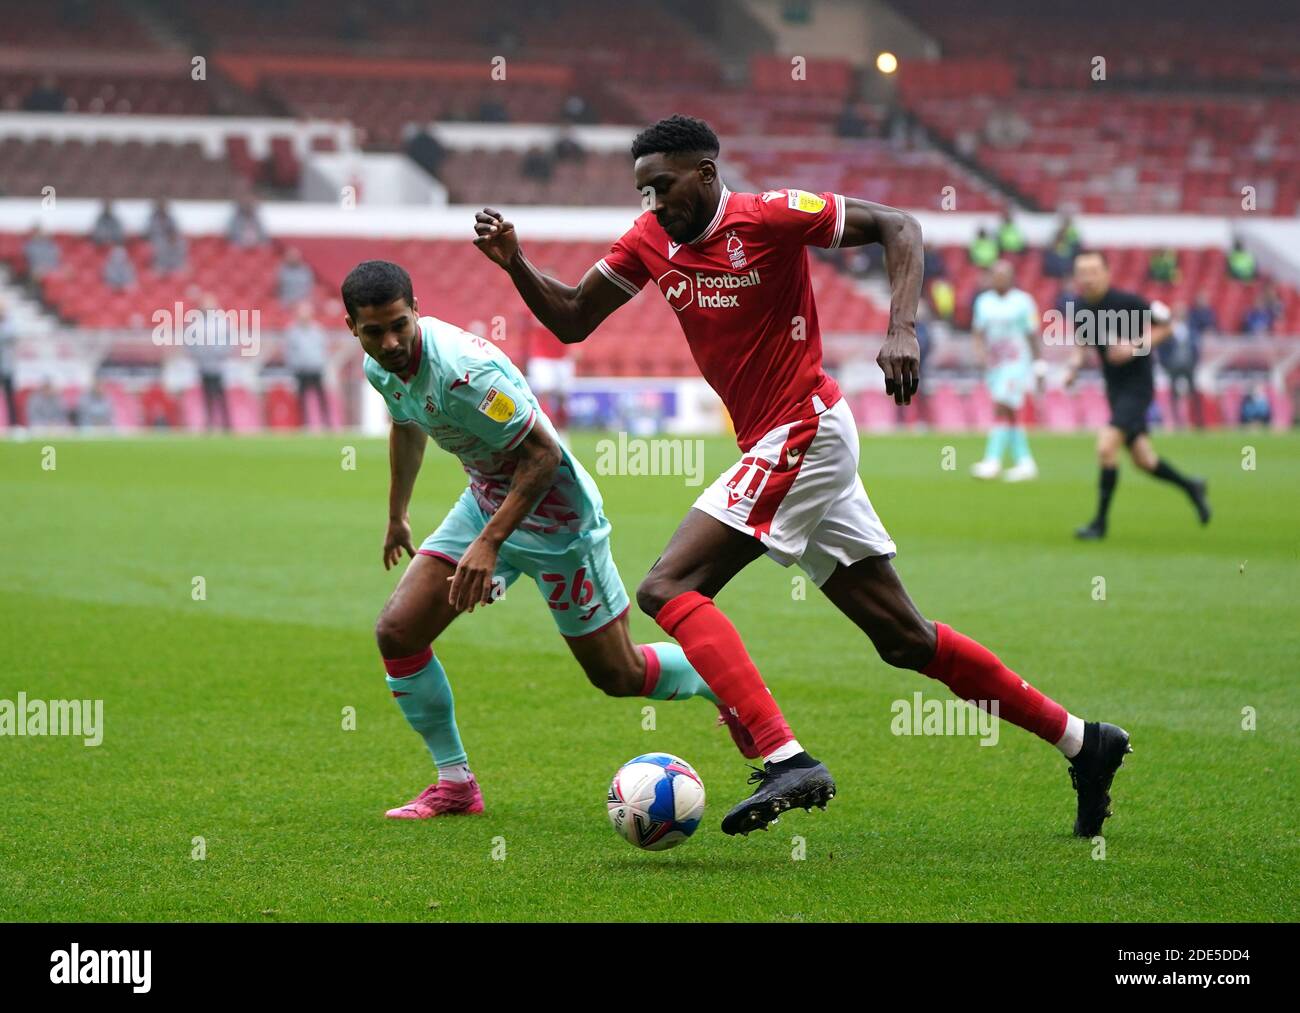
674, 136
376, 283
1101, 254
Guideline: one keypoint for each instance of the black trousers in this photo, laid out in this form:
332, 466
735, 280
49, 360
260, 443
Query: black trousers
214, 401
312, 382
7, 381
1177, 379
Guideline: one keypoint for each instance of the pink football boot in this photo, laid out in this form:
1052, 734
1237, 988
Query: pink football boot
739, 733
445, 798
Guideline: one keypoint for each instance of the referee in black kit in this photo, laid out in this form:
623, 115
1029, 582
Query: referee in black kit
1121, 327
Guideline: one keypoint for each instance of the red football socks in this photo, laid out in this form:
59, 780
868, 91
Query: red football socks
974, 672
715, 649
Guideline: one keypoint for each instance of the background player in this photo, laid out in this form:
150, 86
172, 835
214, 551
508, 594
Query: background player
1005, 327
1127, 367
530, 508
734, 268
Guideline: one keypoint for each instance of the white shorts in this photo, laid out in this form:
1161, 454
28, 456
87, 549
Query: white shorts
798, 491
551, 376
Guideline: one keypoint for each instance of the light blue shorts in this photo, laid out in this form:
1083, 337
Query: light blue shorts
576, 573
1009, 383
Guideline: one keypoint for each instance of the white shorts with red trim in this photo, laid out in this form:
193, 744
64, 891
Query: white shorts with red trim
798, 491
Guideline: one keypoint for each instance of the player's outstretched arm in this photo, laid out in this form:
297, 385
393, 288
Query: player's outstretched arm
405, 454
900, 234
567, 312
538, 457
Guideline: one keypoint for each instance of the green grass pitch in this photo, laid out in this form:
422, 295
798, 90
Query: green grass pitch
224, 717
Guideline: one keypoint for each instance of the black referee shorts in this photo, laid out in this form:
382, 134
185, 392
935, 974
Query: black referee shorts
1128, 413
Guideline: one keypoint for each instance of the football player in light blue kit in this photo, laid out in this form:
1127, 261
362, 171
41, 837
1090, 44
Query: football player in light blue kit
1006, 329
530, 509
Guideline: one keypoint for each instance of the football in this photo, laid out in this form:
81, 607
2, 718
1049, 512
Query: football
656, 801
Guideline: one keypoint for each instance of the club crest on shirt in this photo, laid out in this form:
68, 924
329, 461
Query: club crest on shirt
429, 406
497, 406
736, 251
808, 203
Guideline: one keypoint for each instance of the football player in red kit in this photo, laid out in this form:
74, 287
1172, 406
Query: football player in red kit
734, 268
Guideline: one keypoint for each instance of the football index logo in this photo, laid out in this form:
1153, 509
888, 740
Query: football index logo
677, 289
681, 291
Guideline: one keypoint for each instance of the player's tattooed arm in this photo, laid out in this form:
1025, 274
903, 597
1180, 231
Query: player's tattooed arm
538, 458
567, 312
405, 455
900, 234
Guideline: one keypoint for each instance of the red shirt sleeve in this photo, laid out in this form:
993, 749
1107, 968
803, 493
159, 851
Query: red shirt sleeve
622, 265
797, 216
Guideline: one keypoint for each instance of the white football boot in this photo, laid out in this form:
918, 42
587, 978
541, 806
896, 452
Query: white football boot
1024, 471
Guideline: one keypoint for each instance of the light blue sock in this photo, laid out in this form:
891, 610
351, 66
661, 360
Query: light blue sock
997, 443
426, 701
1020, 445
678, 680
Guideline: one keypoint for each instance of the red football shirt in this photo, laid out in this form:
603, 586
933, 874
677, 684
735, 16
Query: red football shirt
744, 298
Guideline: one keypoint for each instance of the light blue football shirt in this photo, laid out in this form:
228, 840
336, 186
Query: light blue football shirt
1006, 321
474, 403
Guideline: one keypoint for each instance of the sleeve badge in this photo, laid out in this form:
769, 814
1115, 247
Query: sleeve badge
497, 406
808, 203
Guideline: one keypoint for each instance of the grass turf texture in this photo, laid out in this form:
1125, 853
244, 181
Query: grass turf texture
223, 718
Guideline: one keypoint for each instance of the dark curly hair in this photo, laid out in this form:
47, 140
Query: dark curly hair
376, 283
674, 136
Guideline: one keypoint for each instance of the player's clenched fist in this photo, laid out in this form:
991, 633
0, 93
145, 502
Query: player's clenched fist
397, 539
495, 237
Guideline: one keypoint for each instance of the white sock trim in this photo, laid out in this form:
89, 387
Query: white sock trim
1072, 741
791, 748
457, 773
